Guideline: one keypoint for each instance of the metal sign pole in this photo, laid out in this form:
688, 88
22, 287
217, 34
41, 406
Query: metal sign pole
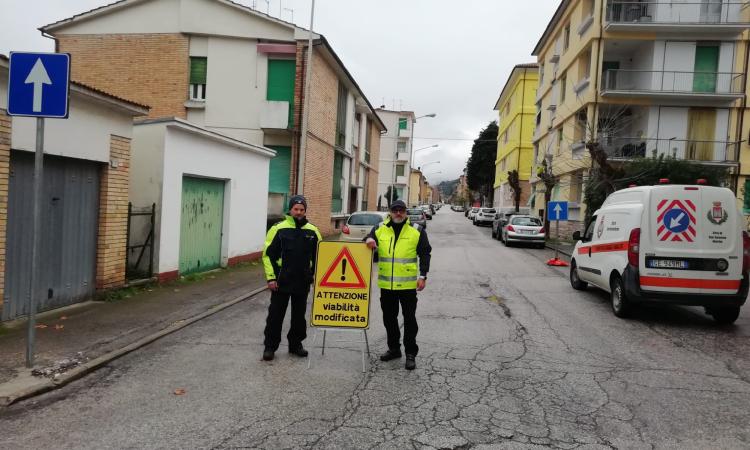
557, 237
38, 179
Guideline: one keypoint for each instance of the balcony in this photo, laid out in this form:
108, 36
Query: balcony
625, 148
709, 88
274, 115
677, 17
404, 133
402, 156
402, 180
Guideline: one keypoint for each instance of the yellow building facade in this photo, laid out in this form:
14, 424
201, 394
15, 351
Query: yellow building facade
643, 80
516, 112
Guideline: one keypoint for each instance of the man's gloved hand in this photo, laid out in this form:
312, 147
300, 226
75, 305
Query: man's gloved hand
371, 244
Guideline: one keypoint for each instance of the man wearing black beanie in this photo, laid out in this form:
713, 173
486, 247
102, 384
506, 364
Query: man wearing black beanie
289, 262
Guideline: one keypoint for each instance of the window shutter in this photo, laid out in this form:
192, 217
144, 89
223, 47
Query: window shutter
198, 66
402, 124
746, 199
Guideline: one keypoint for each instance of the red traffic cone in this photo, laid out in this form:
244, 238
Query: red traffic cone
557, 262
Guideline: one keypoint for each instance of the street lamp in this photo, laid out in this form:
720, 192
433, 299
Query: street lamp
411, 162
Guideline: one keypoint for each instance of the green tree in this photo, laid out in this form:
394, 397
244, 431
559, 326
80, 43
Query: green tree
480, 168
388, 197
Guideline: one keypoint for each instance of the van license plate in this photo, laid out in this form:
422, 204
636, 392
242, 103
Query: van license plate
667, 264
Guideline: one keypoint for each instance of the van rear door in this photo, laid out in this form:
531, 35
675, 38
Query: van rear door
686, 243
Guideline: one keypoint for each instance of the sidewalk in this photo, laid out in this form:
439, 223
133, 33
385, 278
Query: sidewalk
565, 248
74, 340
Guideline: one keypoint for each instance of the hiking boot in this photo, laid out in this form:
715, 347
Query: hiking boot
267, 355
390, 354
411, 364
299, 351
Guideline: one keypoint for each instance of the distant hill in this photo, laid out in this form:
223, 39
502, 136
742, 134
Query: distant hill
448, 187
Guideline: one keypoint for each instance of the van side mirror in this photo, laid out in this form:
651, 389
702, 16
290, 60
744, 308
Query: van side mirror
577, 235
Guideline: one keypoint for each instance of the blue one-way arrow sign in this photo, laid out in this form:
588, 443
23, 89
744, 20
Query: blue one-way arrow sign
557, 210
38, 85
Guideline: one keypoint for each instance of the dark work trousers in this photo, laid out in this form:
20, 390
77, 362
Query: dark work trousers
277, 311
389, 301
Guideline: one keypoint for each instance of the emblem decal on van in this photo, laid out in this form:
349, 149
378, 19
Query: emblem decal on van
675, 220
717, 215
600, 228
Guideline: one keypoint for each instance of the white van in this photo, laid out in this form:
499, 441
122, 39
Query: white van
670, 244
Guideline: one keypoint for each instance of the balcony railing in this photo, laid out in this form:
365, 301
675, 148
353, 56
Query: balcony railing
678, 13
687, 149
666, 81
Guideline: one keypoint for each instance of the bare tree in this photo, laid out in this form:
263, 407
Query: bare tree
515, 186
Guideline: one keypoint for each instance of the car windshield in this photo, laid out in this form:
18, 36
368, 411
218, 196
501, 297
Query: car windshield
414, 212
526, 221
488, 211
365, 219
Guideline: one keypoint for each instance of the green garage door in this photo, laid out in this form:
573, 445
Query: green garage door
201, 224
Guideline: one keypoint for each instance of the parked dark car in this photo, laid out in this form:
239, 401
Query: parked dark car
417, 215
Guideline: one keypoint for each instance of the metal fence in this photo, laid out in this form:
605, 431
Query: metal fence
665, 12
692, 150
139, 257
670, 81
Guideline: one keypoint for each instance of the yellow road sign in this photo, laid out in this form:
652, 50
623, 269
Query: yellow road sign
341, 298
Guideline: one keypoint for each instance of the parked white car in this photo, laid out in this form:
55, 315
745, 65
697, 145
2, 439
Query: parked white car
667, 244
484, 216
472, 213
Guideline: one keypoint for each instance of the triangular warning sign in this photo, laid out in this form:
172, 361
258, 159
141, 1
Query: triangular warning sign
339, 278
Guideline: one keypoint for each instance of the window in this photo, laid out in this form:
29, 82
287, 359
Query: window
559, 140
403, 123
400, 147
198, 69
507, 106
399, 170
579, 134
366, 189
338, 174
541, 74
368, 144
505, 137
341, 116
584, 65
566, 37
563, 83
280, 86
746, 198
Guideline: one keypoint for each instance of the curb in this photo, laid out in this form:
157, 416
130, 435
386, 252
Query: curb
94, 364
562, 252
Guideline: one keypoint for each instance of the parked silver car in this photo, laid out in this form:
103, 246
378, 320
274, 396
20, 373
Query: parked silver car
360, 223
523, 229
417, 215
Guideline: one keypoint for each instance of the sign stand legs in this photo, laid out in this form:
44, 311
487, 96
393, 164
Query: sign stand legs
37, 225
364, 341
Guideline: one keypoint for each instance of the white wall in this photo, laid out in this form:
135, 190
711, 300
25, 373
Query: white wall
246, 193
85, 134
235, 88
184, 16
673, 123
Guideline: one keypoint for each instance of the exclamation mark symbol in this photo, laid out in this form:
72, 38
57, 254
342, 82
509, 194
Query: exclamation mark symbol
343, 269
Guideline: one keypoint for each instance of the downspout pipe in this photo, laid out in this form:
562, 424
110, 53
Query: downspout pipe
306, 107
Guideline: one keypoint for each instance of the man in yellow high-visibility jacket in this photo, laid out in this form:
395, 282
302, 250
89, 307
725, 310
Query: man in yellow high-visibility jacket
403, 263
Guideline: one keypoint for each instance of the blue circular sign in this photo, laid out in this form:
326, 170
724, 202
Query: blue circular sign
676, 220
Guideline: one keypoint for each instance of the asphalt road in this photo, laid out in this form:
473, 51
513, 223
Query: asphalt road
511, 357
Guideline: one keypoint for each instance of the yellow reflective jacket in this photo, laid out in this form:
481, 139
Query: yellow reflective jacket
397, 259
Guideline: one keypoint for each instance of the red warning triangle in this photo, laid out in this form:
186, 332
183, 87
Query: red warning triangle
335, 283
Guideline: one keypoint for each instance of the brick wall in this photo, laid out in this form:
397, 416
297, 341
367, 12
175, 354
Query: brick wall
318, 185
5, 126
151, 69
113, 217
372, 194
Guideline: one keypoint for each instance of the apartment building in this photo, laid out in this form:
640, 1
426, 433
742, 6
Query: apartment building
415, 181
643, 79
232, 70
516, 112
395, 155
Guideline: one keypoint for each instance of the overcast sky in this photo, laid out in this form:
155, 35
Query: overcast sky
448, 57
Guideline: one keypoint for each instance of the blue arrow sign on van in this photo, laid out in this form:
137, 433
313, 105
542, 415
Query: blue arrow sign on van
38, 84
557, 210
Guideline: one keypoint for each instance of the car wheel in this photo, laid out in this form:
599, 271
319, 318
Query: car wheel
620, 304
505, 241
494, 235
576, 282
725, 316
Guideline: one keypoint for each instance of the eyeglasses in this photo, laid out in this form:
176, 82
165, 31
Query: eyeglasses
399, 210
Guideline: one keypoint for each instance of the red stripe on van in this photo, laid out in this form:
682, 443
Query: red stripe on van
690, 283
605, 248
